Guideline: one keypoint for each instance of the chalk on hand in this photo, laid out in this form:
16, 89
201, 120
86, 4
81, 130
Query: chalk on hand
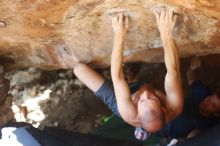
113, 12
159, 8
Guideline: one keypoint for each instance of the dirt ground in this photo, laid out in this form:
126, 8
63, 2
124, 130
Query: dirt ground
57, 98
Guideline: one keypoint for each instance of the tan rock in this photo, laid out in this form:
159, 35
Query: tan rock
52, 34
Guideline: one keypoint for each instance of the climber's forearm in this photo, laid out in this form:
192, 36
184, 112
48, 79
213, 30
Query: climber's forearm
117, 58
171, 55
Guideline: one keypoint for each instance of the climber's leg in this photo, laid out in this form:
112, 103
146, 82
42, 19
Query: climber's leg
88, 76
98, 84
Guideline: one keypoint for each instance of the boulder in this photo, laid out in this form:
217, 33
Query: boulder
53, 34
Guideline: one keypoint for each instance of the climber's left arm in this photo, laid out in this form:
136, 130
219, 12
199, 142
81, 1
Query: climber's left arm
173, 86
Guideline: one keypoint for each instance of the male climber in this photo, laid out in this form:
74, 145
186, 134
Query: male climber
144, 108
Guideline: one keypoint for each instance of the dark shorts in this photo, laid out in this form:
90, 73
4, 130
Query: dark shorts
190, 118
107, 95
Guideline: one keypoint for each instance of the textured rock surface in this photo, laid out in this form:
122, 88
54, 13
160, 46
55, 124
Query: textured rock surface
50, 34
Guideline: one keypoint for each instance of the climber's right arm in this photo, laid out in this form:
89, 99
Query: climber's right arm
126, 107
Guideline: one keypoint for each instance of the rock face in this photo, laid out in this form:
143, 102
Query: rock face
51, 34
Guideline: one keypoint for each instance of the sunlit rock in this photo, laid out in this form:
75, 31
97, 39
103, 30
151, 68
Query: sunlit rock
53, 34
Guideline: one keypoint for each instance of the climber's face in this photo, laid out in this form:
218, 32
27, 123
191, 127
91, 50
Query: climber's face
150, 113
